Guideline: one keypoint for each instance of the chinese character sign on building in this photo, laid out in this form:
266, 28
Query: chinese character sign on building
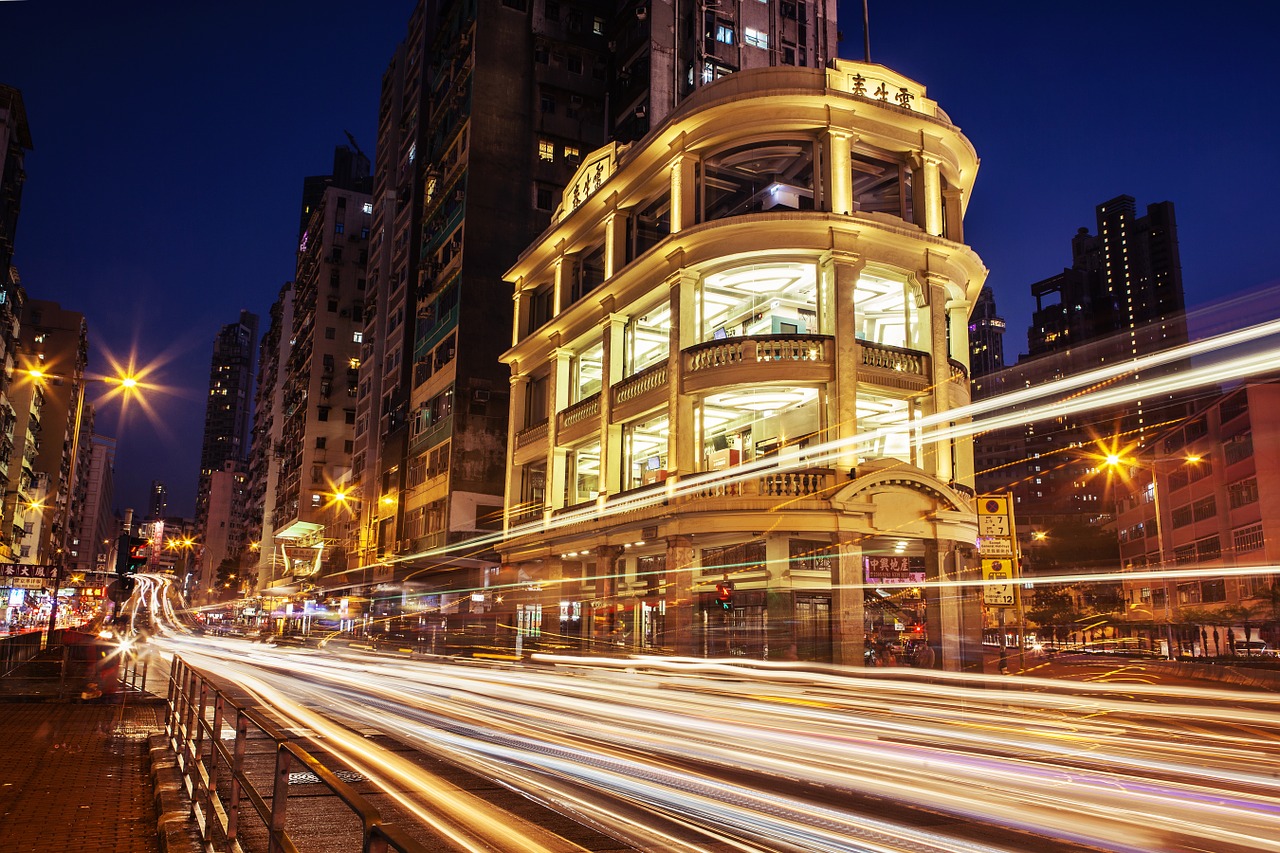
895, 570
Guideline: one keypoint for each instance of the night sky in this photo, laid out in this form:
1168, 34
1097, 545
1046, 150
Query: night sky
171, 140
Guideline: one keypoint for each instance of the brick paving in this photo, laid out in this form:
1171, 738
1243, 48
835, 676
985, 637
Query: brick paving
73, 777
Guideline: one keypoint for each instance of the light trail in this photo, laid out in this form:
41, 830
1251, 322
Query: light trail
972, 418
644, 746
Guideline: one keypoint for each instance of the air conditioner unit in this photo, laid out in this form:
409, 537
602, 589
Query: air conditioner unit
642, 13
641, 112
480, 395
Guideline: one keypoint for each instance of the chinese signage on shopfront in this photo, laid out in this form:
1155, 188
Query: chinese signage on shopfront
16, 576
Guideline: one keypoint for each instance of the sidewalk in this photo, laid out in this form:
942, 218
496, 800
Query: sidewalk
78, 775
75, 777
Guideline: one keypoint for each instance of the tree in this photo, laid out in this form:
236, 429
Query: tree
226, 577
1054, 609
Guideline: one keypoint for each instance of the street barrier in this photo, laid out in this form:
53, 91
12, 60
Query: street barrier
198, 711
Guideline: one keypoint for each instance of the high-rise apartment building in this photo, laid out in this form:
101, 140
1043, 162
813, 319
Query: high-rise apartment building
46, 391
158, 500
15, 141
268, 439
473, 159
93, 539
986, 343
11, 305
318, 370
227, 425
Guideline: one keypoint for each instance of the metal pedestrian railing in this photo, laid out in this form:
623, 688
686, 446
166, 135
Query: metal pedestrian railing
198, 711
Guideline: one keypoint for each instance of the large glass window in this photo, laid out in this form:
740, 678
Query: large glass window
884, 422
644, 449
880, 310
882, 184
749, 423
588, 374
760, 299
758, 177
649, 226
582, 476
533, 489
648, 339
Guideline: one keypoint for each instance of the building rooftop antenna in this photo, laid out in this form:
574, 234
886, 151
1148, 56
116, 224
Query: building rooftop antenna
866, 32
356, 145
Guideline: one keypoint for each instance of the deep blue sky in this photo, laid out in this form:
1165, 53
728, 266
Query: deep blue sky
171, 140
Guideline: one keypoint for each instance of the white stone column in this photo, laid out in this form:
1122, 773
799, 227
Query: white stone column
516, 419
615, 242
841, 269
937, 455
520, 311
565, 270
837, 170
847, 618
959, 310
612, 369
558, 394
931, 194
679, 595
682, 434
953, 200
684, 193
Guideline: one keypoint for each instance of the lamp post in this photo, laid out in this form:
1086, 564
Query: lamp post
127, 383
1114, 460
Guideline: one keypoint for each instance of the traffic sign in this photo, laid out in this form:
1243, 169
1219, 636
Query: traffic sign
997, 583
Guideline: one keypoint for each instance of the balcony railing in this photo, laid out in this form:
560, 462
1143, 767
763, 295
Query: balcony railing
580, 411
893, 358
530, 435
654, 376
731, 351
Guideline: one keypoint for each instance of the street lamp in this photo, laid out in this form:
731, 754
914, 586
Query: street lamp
127, 384
1117, 461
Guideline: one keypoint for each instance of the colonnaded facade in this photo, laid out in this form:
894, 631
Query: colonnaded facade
734, 352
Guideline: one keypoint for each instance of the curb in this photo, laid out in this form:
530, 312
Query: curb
175, 826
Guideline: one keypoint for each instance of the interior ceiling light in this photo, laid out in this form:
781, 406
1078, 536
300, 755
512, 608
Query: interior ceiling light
764, 399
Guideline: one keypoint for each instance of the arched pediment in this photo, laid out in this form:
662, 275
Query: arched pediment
894, 475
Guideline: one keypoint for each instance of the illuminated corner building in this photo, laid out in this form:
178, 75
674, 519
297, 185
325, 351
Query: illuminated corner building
226, 432
56, 342
317, 410
1122, 298
1219, 511
690, 417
